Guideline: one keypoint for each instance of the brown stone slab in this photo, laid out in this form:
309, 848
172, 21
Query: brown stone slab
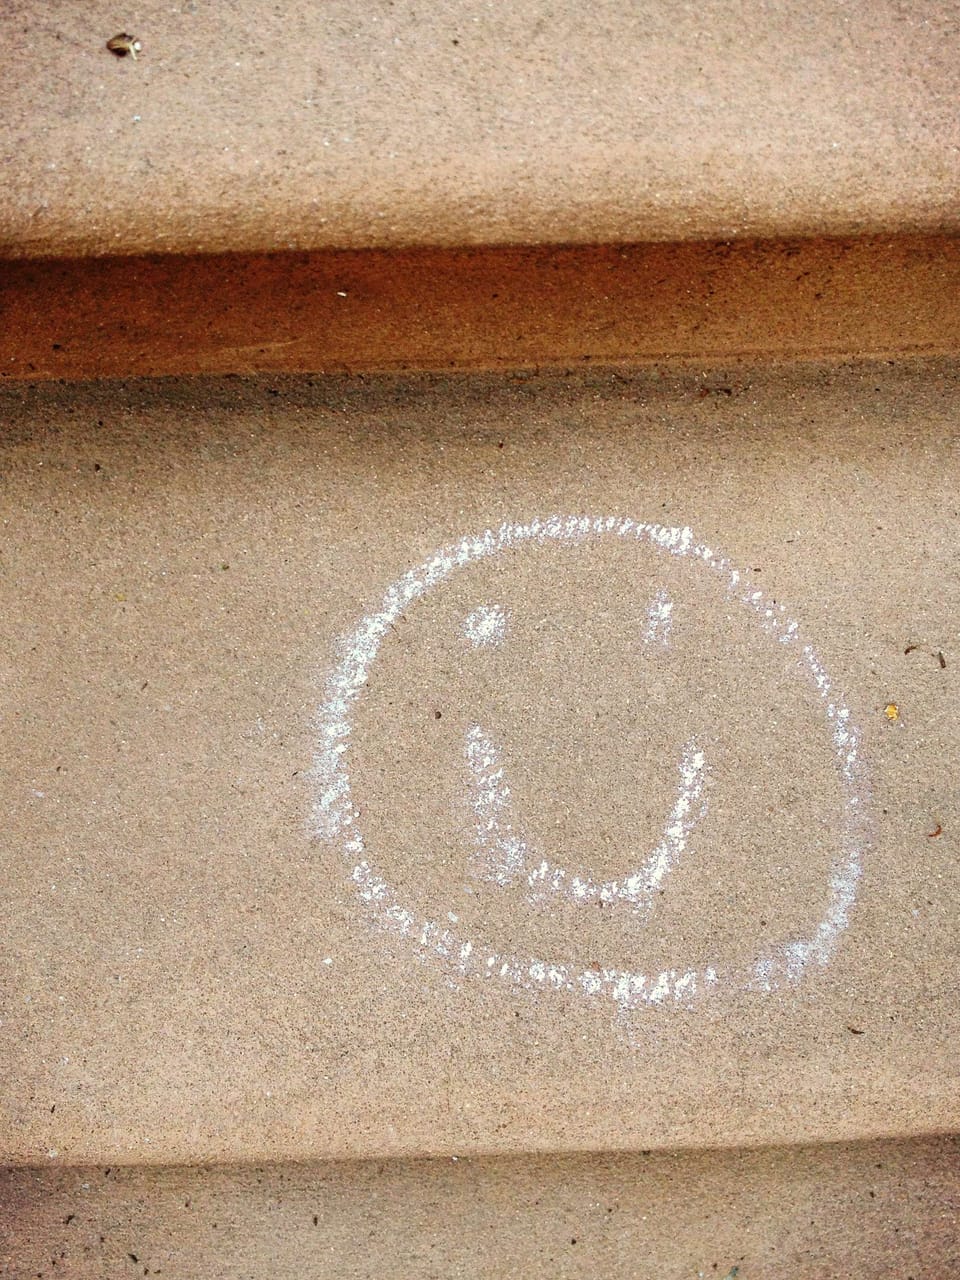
247, 126
849, 1211
195, 964
508, 308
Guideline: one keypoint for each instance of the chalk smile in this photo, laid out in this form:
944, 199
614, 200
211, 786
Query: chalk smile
502, 855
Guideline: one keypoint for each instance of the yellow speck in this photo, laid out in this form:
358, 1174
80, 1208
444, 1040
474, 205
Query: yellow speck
891, 711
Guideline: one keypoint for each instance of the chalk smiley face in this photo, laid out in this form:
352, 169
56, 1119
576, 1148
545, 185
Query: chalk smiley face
498, 850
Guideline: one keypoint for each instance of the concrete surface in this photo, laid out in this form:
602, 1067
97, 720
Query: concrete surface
194, 967
506, 308
632, 896
835, 1213
251, 126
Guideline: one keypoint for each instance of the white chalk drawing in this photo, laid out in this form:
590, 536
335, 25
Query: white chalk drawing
502, 855
486, 626
659, 619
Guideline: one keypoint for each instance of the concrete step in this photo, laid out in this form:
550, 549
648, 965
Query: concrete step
252, 127
509, 309
800, 1214
723, 706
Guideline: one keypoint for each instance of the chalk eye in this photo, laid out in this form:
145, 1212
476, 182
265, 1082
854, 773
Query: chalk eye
486, 626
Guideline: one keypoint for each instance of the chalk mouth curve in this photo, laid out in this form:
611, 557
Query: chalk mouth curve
501, 854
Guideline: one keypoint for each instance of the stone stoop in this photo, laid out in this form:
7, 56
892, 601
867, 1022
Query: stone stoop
481, 497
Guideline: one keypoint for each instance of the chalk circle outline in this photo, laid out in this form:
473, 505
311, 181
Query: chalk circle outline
334, 813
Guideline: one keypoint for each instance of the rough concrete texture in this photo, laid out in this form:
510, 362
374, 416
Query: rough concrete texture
254, 126
838, 1213
196, 967
500, 308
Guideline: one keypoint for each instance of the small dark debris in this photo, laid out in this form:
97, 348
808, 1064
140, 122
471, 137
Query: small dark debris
316, 1220
121, 45
855, 1031
133, 1257
573, 1239
437, 715
68, 1219
937, 831
97, 466
912, 648
56, 346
